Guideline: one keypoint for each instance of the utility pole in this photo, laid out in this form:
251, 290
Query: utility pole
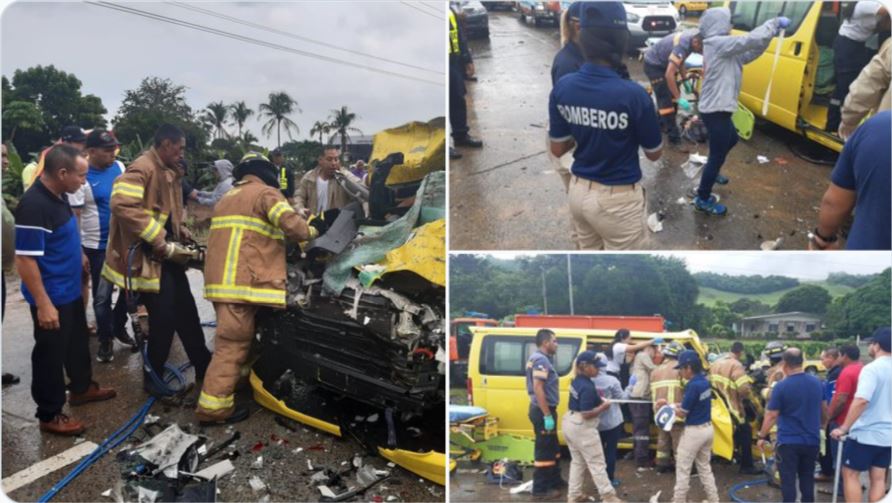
544, 293
570, 282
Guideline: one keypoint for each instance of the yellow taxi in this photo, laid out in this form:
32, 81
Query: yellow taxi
685, 7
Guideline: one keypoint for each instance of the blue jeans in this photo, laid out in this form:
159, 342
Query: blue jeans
797, 461
108, 321
722, 138
609, 441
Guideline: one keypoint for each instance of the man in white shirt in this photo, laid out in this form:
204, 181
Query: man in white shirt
318, 190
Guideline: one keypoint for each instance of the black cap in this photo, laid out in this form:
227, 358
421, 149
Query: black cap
100, 138
275, 152
73, 134
882, 337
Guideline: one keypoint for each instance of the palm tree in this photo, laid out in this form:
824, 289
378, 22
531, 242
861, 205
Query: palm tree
240, 114
279, 107
216, 114
340, 124
247, 138
321, 128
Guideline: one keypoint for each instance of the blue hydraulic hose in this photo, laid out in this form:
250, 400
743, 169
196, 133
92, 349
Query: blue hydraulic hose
743, 485
112, 441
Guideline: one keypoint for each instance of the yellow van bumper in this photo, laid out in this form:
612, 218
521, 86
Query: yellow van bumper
429, 465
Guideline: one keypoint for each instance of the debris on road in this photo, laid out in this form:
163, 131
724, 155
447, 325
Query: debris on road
217, 471
654, 222
761, 159
694, 165
256, 484
771, 244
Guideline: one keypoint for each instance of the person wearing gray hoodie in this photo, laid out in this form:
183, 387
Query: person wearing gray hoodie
723, 58
224, 171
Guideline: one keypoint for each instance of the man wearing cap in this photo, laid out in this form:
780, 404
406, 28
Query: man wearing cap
730, 380
869, 423
606, 118
663, 62
695, 445
94, 201
665, 384
798, 410
642, 366
240, 280
542, 388
72, 135
580, 426
318, 190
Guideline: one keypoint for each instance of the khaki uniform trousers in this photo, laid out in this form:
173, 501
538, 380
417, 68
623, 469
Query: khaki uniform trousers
667, 444
608, 217
235, 331
695, 446
586, 451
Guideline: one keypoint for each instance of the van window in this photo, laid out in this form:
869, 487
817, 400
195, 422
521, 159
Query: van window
508, 356
743, 15
747, 16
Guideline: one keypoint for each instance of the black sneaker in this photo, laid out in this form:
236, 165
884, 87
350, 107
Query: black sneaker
105, 353
467, 141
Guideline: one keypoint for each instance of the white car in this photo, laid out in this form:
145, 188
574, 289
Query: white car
649, 18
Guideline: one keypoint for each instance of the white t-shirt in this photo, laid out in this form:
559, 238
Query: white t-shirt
863, 22
321, 195
619, 357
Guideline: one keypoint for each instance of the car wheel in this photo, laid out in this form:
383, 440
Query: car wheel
683, 11
811, 370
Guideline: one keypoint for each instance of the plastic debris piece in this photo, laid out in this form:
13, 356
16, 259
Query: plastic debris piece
79, 440
373, 418
392, 498
694, 165
257, 464
382, 473
202, 449
654, 223
310, 465
151, 419
391, 464
298, 450
256, 484
263, 499
107, 493
771, 244
761, 159
656, 497
327, 492
217, 470
357, 461
681, 200
320, 476
146, 495
366, 475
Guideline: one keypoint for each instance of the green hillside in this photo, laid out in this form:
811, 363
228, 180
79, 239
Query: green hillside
709, 296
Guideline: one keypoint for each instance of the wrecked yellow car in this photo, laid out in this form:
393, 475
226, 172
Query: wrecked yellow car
360, 349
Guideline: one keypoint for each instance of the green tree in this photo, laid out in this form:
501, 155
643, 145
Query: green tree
279, 107
153, 103
320, 128
341, 125
302, 154
22, 115
749, 307
862, 311
806, 298
57, 95
240, 114
216, 114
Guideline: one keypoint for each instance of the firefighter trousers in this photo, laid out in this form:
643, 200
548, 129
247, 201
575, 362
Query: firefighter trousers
235, 331
546, 453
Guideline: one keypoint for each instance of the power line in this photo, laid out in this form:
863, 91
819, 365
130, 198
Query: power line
423, 11
254, 41
433, 8
297, 37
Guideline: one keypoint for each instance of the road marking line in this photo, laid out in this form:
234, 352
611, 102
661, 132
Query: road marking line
47, 466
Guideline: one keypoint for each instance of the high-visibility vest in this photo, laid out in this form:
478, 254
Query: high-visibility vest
453, 34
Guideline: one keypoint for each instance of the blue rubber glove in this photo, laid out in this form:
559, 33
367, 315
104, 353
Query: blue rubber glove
783, 22
658, 340
549, 423
684, 104
633, 380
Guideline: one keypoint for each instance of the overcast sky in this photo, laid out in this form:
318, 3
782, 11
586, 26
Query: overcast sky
803, 265
111, 51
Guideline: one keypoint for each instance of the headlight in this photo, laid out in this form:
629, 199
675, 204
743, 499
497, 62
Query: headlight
632, 18
540, 6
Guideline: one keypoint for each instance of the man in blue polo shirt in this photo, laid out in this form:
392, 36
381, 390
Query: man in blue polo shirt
93, 198
607, 119
796, 406
542, 388
860, 182
50, 261
695, 444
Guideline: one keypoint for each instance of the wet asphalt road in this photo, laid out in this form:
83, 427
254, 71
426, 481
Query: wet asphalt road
507, 196
284, 471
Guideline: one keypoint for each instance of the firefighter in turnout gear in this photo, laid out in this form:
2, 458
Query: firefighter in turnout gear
245, 269
730, 380
666, 384
774, 350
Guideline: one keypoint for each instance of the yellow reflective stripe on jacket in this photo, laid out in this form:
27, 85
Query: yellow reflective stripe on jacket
247, 224
139, 283
127, 189
453, 34
276, 212
245, 293
671, 385
743, 380
157, 215
232, 252
211, 402
151, 231
723, 380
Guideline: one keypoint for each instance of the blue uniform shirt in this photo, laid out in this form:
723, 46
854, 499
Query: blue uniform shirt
583, 394
46, 229
568, 60
609, 118
697, 401
539, 367
797, 398
865, 166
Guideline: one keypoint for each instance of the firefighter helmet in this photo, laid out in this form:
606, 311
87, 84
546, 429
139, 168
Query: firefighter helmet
672, 349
